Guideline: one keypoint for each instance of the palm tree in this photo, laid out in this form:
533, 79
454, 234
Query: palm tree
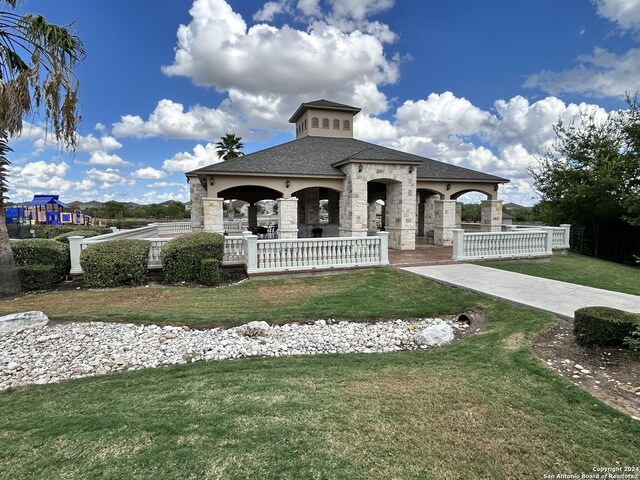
230, 146
36, 68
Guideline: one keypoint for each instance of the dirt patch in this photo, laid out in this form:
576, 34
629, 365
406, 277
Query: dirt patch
514, 341
285, 294
609, 374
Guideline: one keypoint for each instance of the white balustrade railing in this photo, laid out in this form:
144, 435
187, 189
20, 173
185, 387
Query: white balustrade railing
233, 251
523, 243
264, 256
173, 228
234, 226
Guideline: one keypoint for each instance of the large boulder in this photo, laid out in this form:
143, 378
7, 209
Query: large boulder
435, 335
20, 321
254, 329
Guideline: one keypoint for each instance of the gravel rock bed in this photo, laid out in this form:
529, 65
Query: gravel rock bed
52, 353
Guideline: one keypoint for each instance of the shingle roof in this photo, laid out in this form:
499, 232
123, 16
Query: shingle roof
317, 156
325, 105
41, 200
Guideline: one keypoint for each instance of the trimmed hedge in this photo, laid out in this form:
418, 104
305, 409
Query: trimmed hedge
603, 326
40, 251
37, 277
633, 341
51, 231
182, 257
64, 238
210, 273
115, 263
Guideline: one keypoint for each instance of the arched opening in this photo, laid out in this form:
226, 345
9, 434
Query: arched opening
426, 213
476, 211
318, 212
250, 207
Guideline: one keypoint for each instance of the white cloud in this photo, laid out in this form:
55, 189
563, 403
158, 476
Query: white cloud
148, 173
269, 10
185, 161
164, 184
601, 74
110, 177
92, 144
170, 120
106, 160
43, 177
625, 13
359, 9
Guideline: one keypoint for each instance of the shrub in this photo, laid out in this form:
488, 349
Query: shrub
210, 273
633, 341
64, 238
40, 251
37, 277
182, 257
115, 263
603, 326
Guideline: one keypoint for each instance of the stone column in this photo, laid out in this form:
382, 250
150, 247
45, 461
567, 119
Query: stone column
288, 217
371, 217
458, 215
401, 214
213, 220
429, 215
197, 193
445, 222
491, 215
252, 217
353, 203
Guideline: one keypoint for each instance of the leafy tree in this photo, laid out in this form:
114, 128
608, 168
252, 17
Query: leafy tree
592, 175
113, 209
176, 210
229, 146
36, 69
470, 212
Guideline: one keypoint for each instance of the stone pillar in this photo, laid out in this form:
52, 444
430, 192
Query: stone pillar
429, 215
401, 214
353, 203
288, 217
491, 215
458, 215
252, 217
371, 217
334, 206
445, 222
212, 210
197, 193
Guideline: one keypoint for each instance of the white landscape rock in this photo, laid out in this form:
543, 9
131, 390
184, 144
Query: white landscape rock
254, 329
52, 353
19, 321
434, 335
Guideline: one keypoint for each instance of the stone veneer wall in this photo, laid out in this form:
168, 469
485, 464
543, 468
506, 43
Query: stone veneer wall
197, 193
288, 217
213, 219
400, 206
491, 215
445, 222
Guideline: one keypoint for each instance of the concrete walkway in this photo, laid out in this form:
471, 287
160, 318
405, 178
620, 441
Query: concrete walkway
550, 295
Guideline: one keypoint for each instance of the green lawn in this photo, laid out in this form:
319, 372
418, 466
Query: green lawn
579, 269
483, 408
381, 293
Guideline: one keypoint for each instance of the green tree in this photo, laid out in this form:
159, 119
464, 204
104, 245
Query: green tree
176, 210
113, 209
36, 69
470, 212
591, 177
229, 146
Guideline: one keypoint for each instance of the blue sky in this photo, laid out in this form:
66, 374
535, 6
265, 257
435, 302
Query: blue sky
476, 84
